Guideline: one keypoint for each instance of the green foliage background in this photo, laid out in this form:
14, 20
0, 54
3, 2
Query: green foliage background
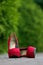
25, 18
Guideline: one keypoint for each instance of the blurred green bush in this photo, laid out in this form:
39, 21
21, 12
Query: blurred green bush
25, 18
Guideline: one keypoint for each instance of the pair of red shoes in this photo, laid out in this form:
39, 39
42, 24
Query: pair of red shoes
15, 51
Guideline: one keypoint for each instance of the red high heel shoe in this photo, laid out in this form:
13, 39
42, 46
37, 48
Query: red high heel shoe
28, 52
13, 50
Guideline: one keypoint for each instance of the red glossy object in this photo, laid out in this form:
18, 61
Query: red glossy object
30, 52
13, 51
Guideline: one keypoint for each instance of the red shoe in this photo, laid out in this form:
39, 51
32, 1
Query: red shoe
28, 52
31, 52
13, 51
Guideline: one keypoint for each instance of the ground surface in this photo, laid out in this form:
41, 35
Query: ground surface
38, 60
